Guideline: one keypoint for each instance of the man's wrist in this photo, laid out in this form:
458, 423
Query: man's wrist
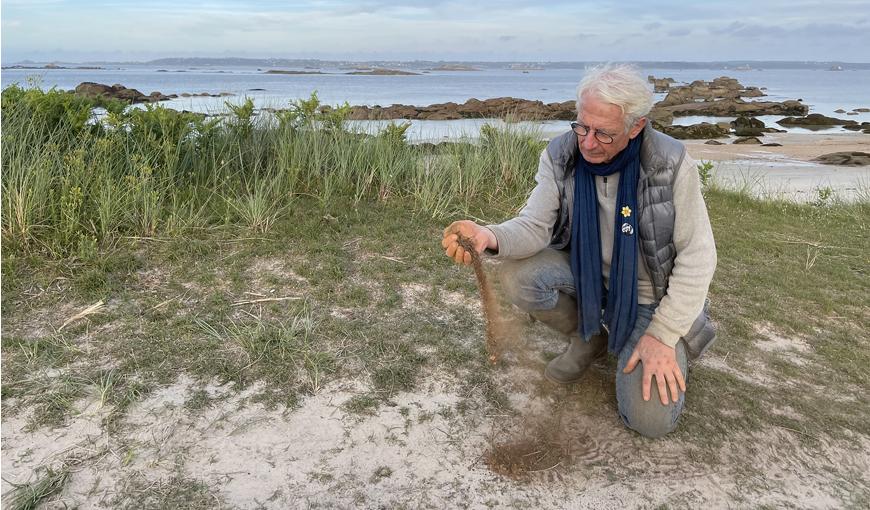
491, 240
662, 333
656, 338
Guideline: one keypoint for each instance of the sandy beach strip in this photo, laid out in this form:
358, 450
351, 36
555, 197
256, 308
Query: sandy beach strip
795, 147
788, 171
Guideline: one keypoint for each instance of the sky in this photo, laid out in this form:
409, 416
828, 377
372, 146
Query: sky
555, 30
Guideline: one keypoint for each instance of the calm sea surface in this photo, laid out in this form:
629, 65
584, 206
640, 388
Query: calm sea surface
823, 91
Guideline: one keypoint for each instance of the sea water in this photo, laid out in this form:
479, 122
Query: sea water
821, 90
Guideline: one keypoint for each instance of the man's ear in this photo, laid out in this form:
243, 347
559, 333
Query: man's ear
638, 127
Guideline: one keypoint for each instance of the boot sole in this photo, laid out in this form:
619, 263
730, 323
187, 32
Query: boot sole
553, 380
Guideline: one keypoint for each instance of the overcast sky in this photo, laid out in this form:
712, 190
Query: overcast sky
78, 30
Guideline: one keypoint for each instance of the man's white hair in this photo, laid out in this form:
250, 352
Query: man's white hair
619, 84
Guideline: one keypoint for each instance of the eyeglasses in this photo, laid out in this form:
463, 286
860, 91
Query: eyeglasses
582, 130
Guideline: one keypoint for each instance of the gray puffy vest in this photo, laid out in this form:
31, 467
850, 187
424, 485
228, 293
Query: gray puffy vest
660, 157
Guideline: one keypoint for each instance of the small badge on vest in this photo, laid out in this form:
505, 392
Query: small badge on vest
627, 229
626, 212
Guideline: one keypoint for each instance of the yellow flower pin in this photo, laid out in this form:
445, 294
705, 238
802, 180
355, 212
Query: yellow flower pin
626, 211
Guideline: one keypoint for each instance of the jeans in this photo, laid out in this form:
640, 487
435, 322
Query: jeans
533, 284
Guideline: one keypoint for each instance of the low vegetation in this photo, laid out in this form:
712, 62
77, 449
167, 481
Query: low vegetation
74, 184
277, 257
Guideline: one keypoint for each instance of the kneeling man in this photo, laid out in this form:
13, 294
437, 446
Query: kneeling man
613, 249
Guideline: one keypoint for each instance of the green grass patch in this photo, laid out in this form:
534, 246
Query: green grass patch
344, 280
28, 496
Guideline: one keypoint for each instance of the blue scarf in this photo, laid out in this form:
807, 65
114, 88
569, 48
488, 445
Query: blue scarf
620, 302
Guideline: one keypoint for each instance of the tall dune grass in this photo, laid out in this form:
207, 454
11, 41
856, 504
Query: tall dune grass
72, 182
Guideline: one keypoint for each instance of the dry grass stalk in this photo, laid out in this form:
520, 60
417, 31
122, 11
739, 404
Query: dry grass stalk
265, 300
94, 308
488, 301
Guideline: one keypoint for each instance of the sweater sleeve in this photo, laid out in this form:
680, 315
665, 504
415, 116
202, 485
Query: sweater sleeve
695, 261
531, 230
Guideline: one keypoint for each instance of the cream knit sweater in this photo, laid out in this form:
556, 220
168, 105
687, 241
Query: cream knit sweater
693, 238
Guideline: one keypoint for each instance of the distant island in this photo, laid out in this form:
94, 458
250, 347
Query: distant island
454, 67
283, 71
525, 66
51, 66
445, 65
383, 72
361, 72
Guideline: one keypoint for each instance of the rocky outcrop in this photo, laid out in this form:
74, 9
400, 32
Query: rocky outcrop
734, 108
500, 107
524, 109
454, 67
722, 97
294, 72
119, 92
662, 117
384, 72
747, 126
699, 90
207, 94
747, 140
693, 132
52, 66
660, 84
845, 158
863, 127
122, 93
815, 121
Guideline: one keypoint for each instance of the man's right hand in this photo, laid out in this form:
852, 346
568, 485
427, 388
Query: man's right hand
482, 238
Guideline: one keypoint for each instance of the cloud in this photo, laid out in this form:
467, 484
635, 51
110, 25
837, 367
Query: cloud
679, 32
811, 30
558, 30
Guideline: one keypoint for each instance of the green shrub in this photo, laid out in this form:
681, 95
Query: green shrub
72, 187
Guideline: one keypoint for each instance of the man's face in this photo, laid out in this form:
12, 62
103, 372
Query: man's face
599, 116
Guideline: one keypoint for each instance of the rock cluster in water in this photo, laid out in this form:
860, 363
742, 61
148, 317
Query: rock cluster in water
499, 107
816, 121
721, 97
122, 93
855, 158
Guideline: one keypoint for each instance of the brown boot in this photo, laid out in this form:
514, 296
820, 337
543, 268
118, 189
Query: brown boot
569, 366
562, 318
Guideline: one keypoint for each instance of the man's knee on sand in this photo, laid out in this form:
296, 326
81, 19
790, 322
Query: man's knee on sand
650, 418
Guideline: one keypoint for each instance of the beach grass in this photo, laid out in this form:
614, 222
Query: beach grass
72, 184
277, 258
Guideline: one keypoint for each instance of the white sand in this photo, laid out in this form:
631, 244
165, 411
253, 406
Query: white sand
788, 171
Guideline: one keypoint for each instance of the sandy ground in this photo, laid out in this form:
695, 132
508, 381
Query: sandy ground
417, 452
788, 171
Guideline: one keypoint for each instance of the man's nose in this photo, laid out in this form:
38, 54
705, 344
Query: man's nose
589, 141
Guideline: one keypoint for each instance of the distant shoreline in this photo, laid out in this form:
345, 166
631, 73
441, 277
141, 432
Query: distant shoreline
725, 65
